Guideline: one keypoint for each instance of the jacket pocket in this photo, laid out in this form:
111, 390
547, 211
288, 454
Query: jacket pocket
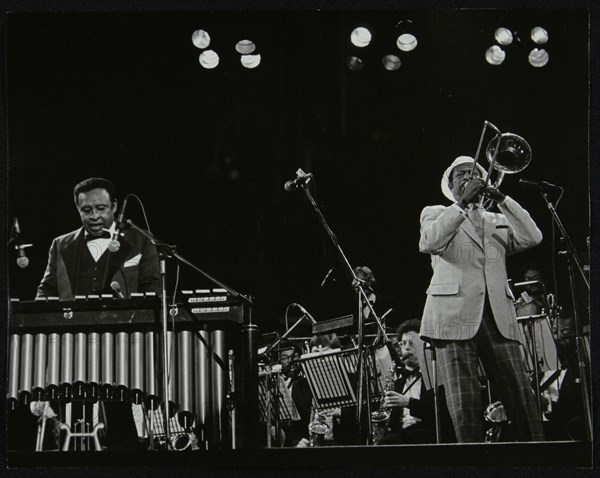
442, 289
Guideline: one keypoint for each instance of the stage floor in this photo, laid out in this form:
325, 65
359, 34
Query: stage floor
534, 454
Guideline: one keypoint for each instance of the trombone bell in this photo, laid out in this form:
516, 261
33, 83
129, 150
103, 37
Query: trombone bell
508, 153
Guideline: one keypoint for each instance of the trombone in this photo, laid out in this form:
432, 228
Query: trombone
507, 153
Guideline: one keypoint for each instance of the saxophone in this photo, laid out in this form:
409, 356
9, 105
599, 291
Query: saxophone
380, 418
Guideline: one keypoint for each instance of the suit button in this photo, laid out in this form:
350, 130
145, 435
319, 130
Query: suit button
482, 292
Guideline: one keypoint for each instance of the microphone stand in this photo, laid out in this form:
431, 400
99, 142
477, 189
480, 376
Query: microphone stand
284, 336
167, 251
358, 284
572, 258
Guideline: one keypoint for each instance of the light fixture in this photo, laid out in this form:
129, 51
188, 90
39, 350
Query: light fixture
201, 39
539, 35
390, 62
209, 59
360, 37
250, 61
495, 55
406, 42
354, 63
503, 36
245, 47
538, 57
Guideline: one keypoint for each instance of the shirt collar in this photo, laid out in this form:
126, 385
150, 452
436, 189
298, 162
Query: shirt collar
111, 229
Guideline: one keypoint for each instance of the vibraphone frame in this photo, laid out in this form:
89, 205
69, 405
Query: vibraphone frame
110, 350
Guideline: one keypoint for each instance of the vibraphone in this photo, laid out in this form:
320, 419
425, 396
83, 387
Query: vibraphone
111, 349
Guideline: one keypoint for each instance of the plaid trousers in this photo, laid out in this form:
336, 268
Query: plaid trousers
501, 358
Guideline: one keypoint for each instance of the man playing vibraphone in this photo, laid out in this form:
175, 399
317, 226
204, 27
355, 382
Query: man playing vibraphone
82, 263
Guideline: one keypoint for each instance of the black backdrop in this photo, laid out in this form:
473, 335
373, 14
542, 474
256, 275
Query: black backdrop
122, 95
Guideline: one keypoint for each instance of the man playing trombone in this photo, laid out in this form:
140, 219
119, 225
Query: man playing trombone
469, 313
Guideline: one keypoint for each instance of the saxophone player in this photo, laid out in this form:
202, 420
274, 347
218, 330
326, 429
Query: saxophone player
413, 416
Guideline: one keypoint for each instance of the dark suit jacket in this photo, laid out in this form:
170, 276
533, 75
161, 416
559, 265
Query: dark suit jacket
424, 408
134, 266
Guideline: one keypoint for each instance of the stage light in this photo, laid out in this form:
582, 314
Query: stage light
200, 39
354, 63
360, 37
391, 62
538, 58
406, 42
245, 47
250, 61
539, 35
503, 36
495, 55
209, 59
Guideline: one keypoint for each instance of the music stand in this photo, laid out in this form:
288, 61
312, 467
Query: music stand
539, 343
274, 401
332, 377
328, 378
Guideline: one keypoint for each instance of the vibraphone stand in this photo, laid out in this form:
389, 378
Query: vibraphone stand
169, 251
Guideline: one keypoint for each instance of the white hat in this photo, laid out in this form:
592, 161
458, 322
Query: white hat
446, 176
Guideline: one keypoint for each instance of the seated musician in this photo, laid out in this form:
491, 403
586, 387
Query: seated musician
340, 423
79, 263
532, 299
412, 407
386, 308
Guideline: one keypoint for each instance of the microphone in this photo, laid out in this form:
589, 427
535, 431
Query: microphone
326, 276
22, 260
302, 178
114, 285
541, 185
306, 314
114, 245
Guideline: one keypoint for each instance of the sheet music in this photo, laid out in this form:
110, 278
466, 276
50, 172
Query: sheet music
283, 402
328, 378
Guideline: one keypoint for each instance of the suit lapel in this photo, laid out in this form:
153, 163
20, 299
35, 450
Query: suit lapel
70, 255
468, 227
116, 259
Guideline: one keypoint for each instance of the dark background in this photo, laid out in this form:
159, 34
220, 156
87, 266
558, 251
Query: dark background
122, 95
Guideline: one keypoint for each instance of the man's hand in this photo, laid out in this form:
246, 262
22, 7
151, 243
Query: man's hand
494, 194
470, 192
304, 443
395, 399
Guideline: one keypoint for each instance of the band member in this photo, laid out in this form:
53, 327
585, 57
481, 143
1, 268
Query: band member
538, 332
469, 312
79, 262
386, 308
340, 423
413, 416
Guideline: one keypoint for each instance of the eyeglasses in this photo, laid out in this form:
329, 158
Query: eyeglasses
404, 343
534, 277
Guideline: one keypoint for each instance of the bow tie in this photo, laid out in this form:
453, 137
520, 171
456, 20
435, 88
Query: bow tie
104, 235
405, 373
